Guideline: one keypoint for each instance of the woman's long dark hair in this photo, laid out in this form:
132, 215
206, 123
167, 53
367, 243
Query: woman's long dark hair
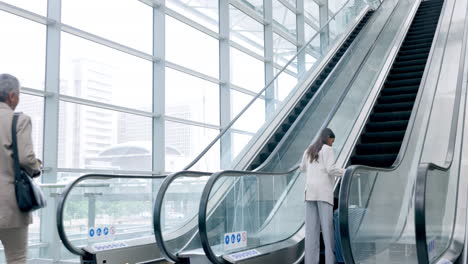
314, 149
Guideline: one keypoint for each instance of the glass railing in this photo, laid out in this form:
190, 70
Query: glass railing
440, 193
407, 214
258, 210
103, 212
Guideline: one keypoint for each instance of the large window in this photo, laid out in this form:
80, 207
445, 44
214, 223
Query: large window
191, 98
22, 50
246, 31
247, 71
110, 19
95, 72
191, 48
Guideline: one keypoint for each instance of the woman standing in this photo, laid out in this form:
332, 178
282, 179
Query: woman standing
13, 222
318, 163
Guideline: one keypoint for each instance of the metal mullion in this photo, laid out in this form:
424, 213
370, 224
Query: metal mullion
225, 84
191, 72
287, 36
81, 101
159, 91
242, 132
248, 11
246, 91
106, 171
247, 51
279, 67
34, 92
191, 23
270, 92
48, 233
311, 23
300, 33
289, 6
109, 43
25, 14
190, 122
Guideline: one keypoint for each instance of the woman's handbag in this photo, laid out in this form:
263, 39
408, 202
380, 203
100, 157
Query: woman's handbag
29, 195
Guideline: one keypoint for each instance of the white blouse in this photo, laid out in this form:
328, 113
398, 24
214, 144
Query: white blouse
321, 175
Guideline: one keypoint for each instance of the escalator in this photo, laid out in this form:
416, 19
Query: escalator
379, 145
272, 143
380, 142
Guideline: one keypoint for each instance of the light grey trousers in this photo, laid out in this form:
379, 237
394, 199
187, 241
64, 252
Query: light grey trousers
319, 214
15, 242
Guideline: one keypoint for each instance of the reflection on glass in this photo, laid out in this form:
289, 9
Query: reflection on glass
200, 11
33, 106
99, 211
309, 32
95, 138
245, 30
22, 50
284, 84
36, 6
268, 208
246, 71
191, 98
191, 48
98, 73
284, 18
127, 22
188, 141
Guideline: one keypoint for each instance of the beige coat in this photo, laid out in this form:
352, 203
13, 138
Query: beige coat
321, 175
10, 215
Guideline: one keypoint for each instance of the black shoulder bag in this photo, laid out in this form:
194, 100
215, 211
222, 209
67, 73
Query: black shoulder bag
29, 195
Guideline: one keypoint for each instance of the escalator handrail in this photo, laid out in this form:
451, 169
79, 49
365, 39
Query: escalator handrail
348, 177
203, 208
64, 195
271, 82
157, 224
425, 167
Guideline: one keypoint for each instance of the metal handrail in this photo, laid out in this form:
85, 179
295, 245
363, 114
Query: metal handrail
424, 168
64, 195
348, 177
203, 208
231, 123
157, 224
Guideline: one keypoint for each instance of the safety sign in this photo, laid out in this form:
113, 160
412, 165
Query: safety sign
235, 240
101, 233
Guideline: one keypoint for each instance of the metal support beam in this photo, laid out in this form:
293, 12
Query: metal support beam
270, 92
225, 82
159, 82
323, 19
48, 232
300, 26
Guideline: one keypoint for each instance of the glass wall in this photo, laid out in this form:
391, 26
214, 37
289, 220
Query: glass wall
103, 80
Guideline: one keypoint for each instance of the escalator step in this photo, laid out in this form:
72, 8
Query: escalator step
418, 36
378, 148
409, 63
381, 160
390, 116
400, 90
423, 50
422, 30
412, 57
410, 48
412, 68
405, 106
386, 126
407, 75
406, 82
376, 137
397, 98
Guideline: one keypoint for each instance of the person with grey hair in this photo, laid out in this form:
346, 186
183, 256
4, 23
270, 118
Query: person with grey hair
13, 222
